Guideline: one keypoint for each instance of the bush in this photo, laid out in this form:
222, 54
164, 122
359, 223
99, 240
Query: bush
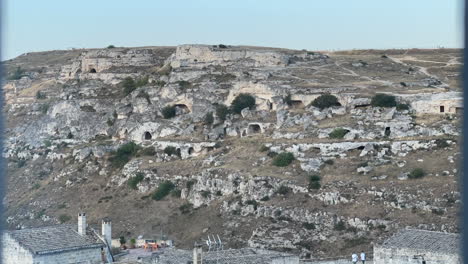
265, 198
308, 226
111, 47
383, 100
44, 108
128, 85
283, 190
160, 83
338, 133
189, 184
169, 111
417, 173
40, 95
283, 159
209, 119
287, 100
149, 151
401, 107
170, 150
242, 101
123, 154
340, 226
222, 111
145, 95
329, 162
163, 190
314, 182
64, 218
264, 148
142, 81
133, 181
185, 208
441, 143
205, 194
222, 46
184, 85
325, 100
122, 240
17, 74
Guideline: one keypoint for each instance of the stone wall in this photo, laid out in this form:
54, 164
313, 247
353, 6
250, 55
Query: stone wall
407, 256
13, 253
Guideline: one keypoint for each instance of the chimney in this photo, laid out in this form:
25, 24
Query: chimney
107, 230
197, 254
82, 224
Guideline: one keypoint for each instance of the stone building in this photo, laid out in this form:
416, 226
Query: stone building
57, 245
419, 246
437, 103
229, 256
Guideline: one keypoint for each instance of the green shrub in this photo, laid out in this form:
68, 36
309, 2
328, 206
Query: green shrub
142, 81
209, 119
287, 100
252, 202
122, 240
383, 100
111, 47
340, 226
128, 85
265, 198
145, 95
47, 143
314, 182
325, 100
242, 101
149, 151
401, 107
416, 173
283, 159
20, 163
40, 95
64, 218
17, 74
184, 85
170, 150
205, 194
133, 181
160, 83
222, 46
283, 190
264, 148
169, 111
222, 111
44, 108
185, 208
189, 184
329, 162
87, 108
36, 186
308, 226
441, 143
226, 77
123, 154
163, 190
338, 133
176, 193
272, 154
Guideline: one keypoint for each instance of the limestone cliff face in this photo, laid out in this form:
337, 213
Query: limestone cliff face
72, 115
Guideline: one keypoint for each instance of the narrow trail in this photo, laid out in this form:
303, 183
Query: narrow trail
421, 69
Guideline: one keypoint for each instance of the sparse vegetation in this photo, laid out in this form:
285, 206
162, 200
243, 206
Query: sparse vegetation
143, 94
87, 108
17, 74
184, 85
205, 194
222, 111
340, 226
383, 100
308, 226
169, 111
242, 101
325, 101
63, 218
111, 47
441, 143
163, 190
314, 182
283, 190
209, 119
287, 100
40, 95
185, 208
189, 184
283, 159
123, 154
134, 181
338, 133
401, 107
416, 173
43, 108
149, 151
36, 186
264, 148
129, 85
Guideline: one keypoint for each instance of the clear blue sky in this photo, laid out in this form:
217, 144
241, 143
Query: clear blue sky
37, 25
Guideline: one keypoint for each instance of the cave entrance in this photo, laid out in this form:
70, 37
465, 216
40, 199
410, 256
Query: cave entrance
254, 129
387, 131
182, 109
269, 105
190, 151
147, 135
297, 104
442, 109
92, 70
362, 106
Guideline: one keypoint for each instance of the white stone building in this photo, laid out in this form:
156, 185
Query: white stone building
437, 103
419, 247
61, 244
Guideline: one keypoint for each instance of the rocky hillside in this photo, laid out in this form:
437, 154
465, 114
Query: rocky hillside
194, 140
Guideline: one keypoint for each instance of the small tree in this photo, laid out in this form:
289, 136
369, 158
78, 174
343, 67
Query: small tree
242, 101
163, 190
325, 100
222, 111
128, 85
383, 100
401, 107
40, 95
133, 181
287, 100
283, 159
170, 150
283, 190
17, 74
169, 111
111, 47
314, 182
122, 240
123, 154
